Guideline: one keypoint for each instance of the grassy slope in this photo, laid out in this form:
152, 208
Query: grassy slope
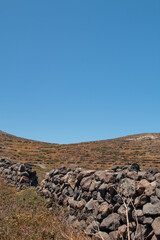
23, 215
141, 148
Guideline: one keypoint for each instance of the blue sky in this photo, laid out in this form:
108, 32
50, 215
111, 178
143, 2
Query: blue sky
73, 71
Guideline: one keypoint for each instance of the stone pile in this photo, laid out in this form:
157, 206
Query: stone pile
18, 174
122, 203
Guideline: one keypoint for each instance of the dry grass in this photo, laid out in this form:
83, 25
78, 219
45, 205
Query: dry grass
97, 155
23, 215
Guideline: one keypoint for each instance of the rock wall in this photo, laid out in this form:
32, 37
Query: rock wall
18, 174
123, 203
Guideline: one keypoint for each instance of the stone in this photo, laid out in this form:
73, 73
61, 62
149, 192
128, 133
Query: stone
151, 209
142, 185
92, 186
92, 228
157, 176
26, 174
122, 231
154, 200
111, 222
127, 187
138, 213
140, 232
72, 180
103, 187
104, 209
156, 226
100, 197
114, 235
99, 175
89, 205
109, 177
76, 204
147, 220
149, 176
84, 174
117, 198
122, 213
85, 183
22, 168
150, 189
133, 175
102, 235
158, 192
134, 167
141, 174
155, 238
24, 179
114, 168
140, 200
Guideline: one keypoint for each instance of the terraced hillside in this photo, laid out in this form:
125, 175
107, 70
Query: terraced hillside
141, 148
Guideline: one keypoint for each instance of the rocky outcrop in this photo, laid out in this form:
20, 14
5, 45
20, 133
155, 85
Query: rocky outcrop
17, 174
108, 204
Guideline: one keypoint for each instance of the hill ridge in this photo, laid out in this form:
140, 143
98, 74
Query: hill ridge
143, 148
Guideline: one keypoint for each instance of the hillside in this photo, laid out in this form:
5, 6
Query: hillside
141, 148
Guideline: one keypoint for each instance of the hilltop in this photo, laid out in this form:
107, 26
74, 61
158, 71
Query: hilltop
141, 148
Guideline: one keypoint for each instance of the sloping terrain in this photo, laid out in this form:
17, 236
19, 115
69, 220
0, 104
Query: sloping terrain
23, 215
141, 148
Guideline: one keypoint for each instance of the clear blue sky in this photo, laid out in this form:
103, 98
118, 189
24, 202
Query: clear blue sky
77, 70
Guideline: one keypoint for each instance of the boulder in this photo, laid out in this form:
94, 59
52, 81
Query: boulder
127, 187
151, 209
156, 226
111, 222
92, 228
85, 183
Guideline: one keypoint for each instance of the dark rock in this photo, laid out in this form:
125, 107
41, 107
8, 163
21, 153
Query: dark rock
149, 176
147, 220
110, 177
85, 174
127, 187
85, 183
157, 176
114, 235
122, 231
117, 198
102, 235
142, 185
140, 200
104, 209
114, 168
134, 167
138, 214
158, 192
24, 179
140, 232
103, 187
111, 222
154, 200
150, 189
22, 168
122, 213
151, 209
92, 228
133, 175
94, 195
89, 205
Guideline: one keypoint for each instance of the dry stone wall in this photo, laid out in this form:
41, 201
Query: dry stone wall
123, 203
18, 174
